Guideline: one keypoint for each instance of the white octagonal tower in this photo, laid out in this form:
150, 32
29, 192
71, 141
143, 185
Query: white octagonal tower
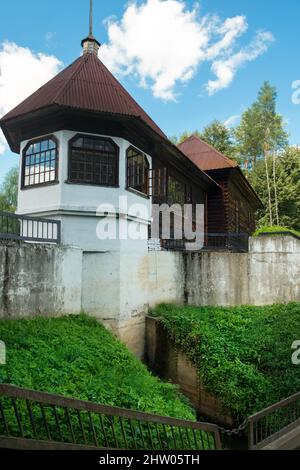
87, 150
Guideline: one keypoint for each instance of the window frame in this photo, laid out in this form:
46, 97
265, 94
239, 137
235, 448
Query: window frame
130, 188
96, 137
46, 183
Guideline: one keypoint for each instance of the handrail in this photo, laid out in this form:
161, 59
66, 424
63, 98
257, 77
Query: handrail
26, 228
273, 422
115, 428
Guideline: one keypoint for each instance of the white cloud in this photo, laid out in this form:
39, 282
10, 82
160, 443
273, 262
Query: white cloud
232, 120
163, 43
226, 69
21, 73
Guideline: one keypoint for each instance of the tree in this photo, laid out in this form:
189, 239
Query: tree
287, 167
251, 133
220, 137
9, 191
178, 139
215, 134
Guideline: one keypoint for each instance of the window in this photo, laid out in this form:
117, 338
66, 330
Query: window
137, 171
40, 162
176, 191
93, 160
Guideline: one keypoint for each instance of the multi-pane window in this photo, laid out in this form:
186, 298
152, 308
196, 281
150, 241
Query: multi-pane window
93, 160
40, 163
137, 171
176, 191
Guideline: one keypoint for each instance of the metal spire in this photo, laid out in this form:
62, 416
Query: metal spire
91, 18
90, 44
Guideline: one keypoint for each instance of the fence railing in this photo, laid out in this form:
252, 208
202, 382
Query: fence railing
37, 420
274, 422
25, 228
234, 242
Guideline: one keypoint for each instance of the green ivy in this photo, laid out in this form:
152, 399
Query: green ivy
77, 357
243, 354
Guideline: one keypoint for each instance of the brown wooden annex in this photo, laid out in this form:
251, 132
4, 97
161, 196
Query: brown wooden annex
231, 207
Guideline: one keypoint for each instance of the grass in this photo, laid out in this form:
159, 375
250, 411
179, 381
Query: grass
243, 354
275, 229
77, 357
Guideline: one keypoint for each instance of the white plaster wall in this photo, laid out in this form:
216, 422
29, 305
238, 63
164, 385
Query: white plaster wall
76, 205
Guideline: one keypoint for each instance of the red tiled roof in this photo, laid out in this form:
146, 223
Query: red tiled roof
86, 84
204, 155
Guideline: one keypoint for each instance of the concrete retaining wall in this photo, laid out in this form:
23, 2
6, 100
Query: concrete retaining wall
170, 363
39, 280
119, 288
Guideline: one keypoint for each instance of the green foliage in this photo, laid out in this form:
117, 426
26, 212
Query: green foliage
287, 167
256, 120
9, 191
243, 354
220, 137
275, 229
215, 134
77, 357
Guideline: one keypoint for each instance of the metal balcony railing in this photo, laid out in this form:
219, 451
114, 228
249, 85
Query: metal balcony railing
32, 229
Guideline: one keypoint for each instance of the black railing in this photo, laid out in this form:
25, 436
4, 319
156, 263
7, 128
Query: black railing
36, 420
234, 242
25, 228
274, 422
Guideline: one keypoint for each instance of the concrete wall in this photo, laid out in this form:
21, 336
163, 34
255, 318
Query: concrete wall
165, 360
119, 287
39, 280
268, 274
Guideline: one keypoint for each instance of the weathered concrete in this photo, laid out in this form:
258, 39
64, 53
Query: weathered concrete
268, 274
39, 280
118, 287
170, 363
115, 290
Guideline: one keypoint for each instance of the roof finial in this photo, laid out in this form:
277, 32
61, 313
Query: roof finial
91, 18
90, 44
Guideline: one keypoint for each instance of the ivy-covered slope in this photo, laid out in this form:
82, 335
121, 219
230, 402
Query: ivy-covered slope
243, 354
75, 356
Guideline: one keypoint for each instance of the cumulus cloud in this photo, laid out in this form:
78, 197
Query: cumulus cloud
225, 69
163, 43
21, 73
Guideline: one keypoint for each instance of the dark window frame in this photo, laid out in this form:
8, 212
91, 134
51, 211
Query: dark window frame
23, 169
90, 183
146, 169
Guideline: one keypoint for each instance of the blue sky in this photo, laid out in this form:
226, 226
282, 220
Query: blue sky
56, 27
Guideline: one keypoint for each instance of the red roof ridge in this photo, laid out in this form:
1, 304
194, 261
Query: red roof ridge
230, 162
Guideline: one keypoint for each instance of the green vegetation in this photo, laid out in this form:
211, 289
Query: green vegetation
276, 229
9, 191
75, 356
243, 354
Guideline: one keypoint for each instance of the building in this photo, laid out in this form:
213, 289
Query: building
231, 207
93, 161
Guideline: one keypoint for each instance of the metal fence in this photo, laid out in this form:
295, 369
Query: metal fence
234, 242
33, 229
274, 422
37, 420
